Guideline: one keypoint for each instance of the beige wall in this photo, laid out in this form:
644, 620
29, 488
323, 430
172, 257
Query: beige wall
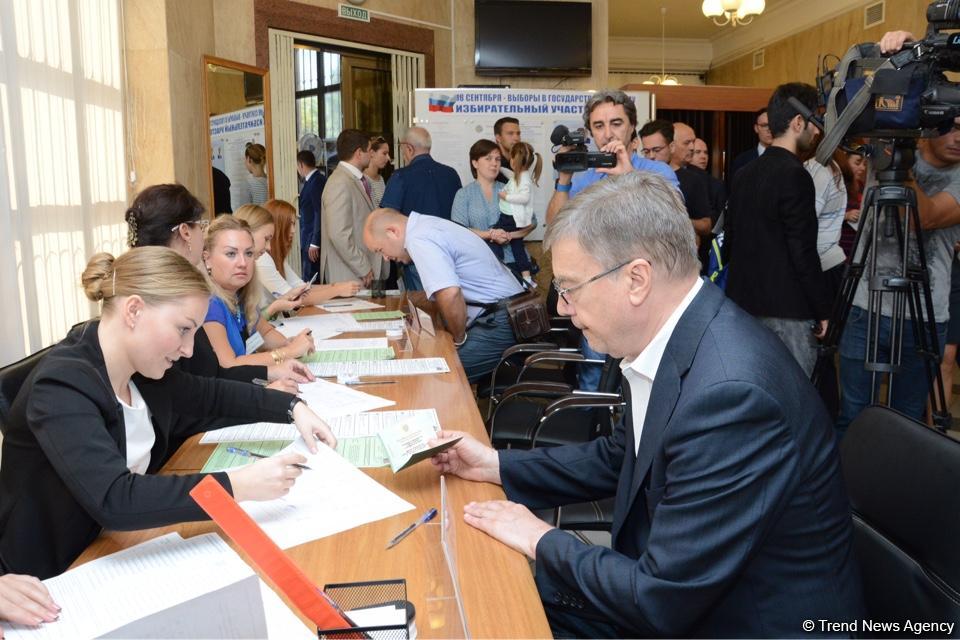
795, 58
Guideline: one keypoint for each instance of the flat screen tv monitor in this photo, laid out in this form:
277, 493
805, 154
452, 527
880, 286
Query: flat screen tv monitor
526, 37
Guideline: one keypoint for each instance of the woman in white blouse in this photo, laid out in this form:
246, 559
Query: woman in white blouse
273, 238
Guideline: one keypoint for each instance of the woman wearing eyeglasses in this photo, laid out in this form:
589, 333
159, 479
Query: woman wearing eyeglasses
168, 215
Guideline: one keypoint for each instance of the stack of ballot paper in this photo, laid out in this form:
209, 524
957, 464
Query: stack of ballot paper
167, 587
408, 367
349, 304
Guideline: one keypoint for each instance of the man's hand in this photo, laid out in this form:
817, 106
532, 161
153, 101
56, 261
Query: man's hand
468, 459
367, 279
893, 41
509, 522
25, 600
624, 165
314, 253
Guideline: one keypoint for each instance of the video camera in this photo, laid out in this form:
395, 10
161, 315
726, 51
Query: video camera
579, 159
905, 95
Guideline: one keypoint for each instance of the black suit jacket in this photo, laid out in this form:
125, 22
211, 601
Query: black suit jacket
64, 475
310, 210
771, 240
743, 159
731, 521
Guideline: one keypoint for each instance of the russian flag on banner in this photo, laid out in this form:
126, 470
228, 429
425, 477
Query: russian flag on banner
442, 103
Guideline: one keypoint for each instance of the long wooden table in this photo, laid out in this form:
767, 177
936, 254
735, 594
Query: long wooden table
499, 596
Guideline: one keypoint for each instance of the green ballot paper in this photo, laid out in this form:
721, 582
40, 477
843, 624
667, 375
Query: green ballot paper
377, 315
406, 443
222, 459
350, 355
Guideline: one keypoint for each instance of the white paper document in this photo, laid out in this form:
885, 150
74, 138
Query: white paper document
350, 343
327, 399
282, 622
410, 367
118, 590
253, 432
369, 326
338, 305
390, 293
322, 326
332, 496
370, 424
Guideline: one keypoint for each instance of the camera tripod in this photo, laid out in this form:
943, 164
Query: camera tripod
890, 208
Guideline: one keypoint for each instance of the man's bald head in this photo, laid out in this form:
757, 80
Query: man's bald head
683, 137
384, 232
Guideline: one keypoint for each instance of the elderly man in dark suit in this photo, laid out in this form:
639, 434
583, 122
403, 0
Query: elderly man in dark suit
310, 207
730, 518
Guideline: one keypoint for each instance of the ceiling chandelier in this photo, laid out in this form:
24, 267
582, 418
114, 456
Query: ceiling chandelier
663, 78
732, 12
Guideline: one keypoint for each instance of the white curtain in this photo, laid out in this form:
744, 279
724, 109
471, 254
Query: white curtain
62, 191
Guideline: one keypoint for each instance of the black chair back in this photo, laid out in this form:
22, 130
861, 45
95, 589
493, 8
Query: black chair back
903, 479
12, 378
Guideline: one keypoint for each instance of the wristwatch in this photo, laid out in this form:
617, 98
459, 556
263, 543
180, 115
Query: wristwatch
293, 403
562, 188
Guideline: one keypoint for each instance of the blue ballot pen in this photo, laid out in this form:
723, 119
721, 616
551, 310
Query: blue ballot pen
427, 517
253, 454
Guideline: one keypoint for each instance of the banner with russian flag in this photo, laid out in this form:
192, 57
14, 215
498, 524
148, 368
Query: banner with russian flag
443, 103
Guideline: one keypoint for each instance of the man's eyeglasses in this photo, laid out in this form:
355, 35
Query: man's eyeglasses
763, 125
203, 224
563, 292
652, 151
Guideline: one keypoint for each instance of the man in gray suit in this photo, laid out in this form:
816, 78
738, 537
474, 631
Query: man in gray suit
346, 204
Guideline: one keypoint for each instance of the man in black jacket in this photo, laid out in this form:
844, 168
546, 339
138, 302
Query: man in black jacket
771, 233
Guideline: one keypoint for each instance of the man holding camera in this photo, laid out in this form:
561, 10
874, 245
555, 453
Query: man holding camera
936, 181
611, 118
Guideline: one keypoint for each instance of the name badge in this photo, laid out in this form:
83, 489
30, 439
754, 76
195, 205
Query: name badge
254, 342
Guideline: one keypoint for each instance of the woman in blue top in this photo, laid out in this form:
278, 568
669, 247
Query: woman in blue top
233, 323
477, 205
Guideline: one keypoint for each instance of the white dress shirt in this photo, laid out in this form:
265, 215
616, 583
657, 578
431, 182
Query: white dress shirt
641, 371
139, 431
271, 280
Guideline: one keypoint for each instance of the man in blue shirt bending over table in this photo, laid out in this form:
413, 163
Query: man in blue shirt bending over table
611, 118
457, 269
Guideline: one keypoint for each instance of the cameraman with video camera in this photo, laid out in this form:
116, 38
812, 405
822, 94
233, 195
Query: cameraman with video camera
936, 180
610, 116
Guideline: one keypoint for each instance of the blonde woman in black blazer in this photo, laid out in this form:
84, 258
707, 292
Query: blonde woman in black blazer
66, 470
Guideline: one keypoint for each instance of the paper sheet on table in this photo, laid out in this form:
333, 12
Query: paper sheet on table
117, 590
389, 368
282, 622
323, 326
377, 325
327, 399
350, 343
331, 497
349, 304
385, 616
349, 355
221, 459
357, 435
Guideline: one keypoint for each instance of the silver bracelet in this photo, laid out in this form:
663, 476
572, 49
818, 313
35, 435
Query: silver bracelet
462, 342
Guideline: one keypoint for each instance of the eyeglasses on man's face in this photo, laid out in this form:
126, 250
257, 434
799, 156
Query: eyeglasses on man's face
566, 291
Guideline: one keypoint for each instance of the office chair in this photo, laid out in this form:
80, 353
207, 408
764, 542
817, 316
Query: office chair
12, 378
903, 480
532, 414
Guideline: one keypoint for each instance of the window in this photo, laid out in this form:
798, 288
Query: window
318, 92
62, 170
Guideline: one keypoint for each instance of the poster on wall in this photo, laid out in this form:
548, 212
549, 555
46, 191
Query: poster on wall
456, 118
229, 135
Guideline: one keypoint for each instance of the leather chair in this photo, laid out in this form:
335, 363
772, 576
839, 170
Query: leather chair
903, 480
12, 378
